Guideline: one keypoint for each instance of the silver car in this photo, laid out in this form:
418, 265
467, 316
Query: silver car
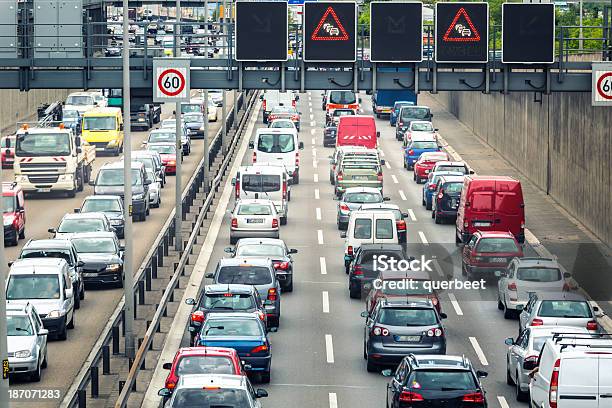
524, 276
154, 189
27, 341
81, 222
254, 219
522, 355
352, 199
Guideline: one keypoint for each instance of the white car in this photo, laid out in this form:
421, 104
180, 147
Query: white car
216, 96
282, 123
154, 189
27, 340
420, 128
255, 218
212, 111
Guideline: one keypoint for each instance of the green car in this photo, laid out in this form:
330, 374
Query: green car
363, 174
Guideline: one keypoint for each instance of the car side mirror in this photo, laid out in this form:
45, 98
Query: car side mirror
261, 97
167, 366
343, 234
251, 145
164, 392
77, 210
51, 230
209, 275
481, 374
436, 129
387, 373
260, 393
386, 198
471, 171
234, 181
377, 134
80, 264
567, 275
190, 301
301, 145
443, 315
364, 314
91, 183
509, 341
228, 250
293, 251
383, 161
405, 215
43, 332
121, 127
519, 308
10, 263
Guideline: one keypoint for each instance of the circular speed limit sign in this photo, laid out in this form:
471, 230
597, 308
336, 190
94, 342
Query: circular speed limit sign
602, 84
171, 82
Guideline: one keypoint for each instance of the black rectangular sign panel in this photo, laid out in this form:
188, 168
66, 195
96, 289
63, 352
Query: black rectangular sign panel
528, 33
396, 31
329, 31
261, 31
462, 32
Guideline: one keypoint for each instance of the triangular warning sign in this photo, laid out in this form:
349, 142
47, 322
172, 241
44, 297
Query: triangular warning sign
462, 29
329, 28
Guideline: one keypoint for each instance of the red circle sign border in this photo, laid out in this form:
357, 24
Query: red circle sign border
167, 72
599, 90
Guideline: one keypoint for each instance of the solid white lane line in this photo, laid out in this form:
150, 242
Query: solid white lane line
325, 301
329, 348
387, 165
423, 239
502, 401
316, 178
311, 117
313, 131
402, 195
323, 265
317, 196
320, 237
318, 211
333, 400
438, 268
394, 179
411, 214
314, 164
313, 123
312, 141
479, 352
314, 152
455, 304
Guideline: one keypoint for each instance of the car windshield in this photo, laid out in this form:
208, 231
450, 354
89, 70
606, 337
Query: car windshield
276, 143
230, 301
460, 169
496, 245
260, 250
168, 123
247, 275
362, 198
156, 137
232, 327
442, 380
410, 112
114, 177
454, 187
8, 204
254, 209
283, 109
210, 398
342, 97
407, 317
422, 127
415, 287
36, 286
193, 117
70, 114
82, 100
424, 145
101, 205
163, 149
564, 308
75, 225
46, 253
43, 144
191, 107
99, 123
261, 183
98, 245
343, 112
148, 162
18, 326
539, 274
282, 124
205, 365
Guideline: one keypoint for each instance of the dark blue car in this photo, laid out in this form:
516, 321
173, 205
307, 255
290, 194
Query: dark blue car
244, 332
416, 147
431, 185
395, 112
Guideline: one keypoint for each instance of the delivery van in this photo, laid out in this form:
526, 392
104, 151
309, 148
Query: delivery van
340, 99
273, 98
280, 146
490, 203
103, 128
357, 130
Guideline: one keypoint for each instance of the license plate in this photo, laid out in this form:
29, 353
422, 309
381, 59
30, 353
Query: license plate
43, 190
482, 224
255, 221
408, 338
90, 275
360, 178
498, 260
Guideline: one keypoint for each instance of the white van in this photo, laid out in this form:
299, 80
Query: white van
574, 371
272, 98
368, 227
264, 181
280, 146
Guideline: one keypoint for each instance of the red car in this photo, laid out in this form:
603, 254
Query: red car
381, 288
489, 251
167, 152
13, 202
425, 163
202, 360
7, 151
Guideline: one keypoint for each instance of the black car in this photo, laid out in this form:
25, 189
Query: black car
445, 201
102, 257
223, 299
435, 381
361, 270
194, 123
329, 135
399, 327
144, 115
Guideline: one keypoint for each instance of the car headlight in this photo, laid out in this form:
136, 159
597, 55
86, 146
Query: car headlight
23, 354
138, 196
55, 313
113, 142
65, 177
21, 179
113, 267
172, 162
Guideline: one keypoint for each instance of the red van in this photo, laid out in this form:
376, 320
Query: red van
490, 203
357, 130
13, 201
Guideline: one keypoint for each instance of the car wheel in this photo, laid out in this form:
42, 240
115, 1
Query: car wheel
404, 163
457, 239
500, 305
35, 376
437, 219
80, 179
521, 395
233, 240
296, 178
77, 301
14, 241
433, 214
371, 366
44, 363
82, 293
264, 377
508, 314
289, 287
365, 354
354, 292
509, 379
463, 269
427, 205
63, 335
120, 283
22, 234
283, 220
71, 324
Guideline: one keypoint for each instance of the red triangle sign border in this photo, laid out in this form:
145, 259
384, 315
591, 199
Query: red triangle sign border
460, 12
343, 37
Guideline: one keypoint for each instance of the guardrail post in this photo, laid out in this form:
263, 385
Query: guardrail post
94, 381
123, 322
154, 265
141, 292
82, 396
115, 340
105, 360
166, 242
148, 278
135, 307
121, 385
160, 255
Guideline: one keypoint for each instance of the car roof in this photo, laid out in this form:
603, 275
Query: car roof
549, 330
547, 295
103, 197
86, 215
207, 350
212, 380
37, 265
420, 121
277, 131
48, 243
381, 247
119, 165
452, 179
407, 302
427, 155
96, 234
229, 288
534, 262
264, 168
423, 137
234, 315
494, 234
361, 190
450, 163
261, 241
246, 261
382, 206
445, 361
254, 201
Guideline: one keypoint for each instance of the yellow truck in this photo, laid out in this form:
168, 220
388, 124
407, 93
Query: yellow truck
103, 129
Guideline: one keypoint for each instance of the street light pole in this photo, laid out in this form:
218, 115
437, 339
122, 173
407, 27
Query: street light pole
206, 152
4, 382
128, 261
178, 214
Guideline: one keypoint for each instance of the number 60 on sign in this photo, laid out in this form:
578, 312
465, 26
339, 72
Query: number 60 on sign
602, 85
170, 80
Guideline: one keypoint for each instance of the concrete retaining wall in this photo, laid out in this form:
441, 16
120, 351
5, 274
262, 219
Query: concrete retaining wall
563, 145
18, 106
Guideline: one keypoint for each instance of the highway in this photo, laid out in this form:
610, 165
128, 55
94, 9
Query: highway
317, 352
67, 357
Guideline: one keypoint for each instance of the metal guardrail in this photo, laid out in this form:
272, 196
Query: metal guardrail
110, 337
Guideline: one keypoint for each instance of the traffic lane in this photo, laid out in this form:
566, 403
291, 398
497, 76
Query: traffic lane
98, 304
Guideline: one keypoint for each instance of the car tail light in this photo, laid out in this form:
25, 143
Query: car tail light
271, 118
272, 294
349, 250
344, 208
431, 186
259, 349
380, 331
358, 270
237, 188
440, 195
234, 223
264, 105
566, 287
537, 322
473, 397
297, 159
340, 177
591, 325
295, 117
512, 287
380, 177
523, 224
435, 333
293, 103
261, 315
254, 157
197, 316
281, 265
400, 123
401, 225
284, 190
554, 385
171, 383
410, 396
410, 152
274, 223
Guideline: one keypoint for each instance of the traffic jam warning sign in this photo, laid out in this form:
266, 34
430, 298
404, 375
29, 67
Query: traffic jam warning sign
602, 84
330, 31
171, 80
462, 30
399, 23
